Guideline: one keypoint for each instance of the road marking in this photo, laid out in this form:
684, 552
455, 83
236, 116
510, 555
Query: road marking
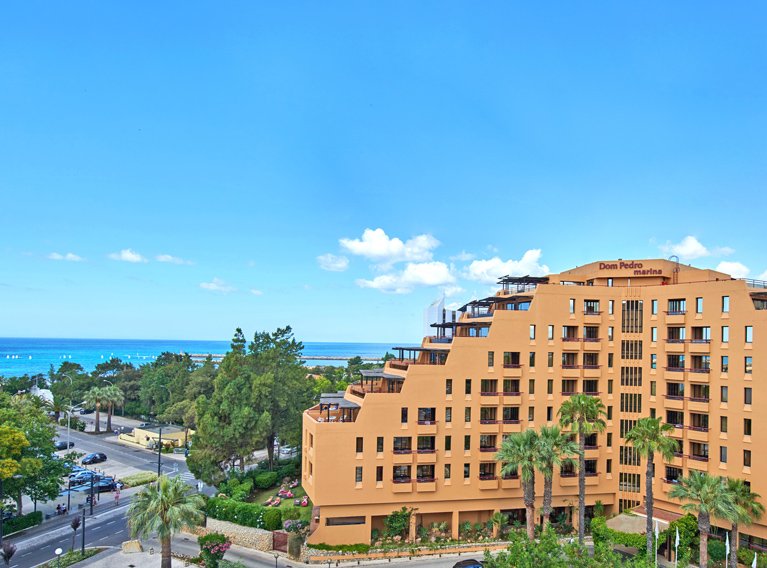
106, 537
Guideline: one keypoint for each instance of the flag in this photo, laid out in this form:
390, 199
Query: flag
753, 564
657, 531
727, 544
676, 541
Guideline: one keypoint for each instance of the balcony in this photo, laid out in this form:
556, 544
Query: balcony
426, 456
488, 449
511, 397
488, 426
673, 402
698, 404
489, 398
402, 485
511, 426
510, 482
592, 313
488, 481
568, 393
571, 343
426, 484
697, 434
592, 344
427, 427
512, 370
402, 457
676, 369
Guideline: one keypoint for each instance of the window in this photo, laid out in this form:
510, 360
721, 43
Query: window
358, 474
749, 334
698, 305
609, 467
724, 394
611, 305
448, 386
723, 424
467, 414
654, 334
403, 418
466, 470
652, 413
609, 386
746, 458
491, 358
339, 521
725, 363
549, 413
531, 386
532, 359
723, 454
591, 306
379, 474
653, 361
531, 414
467, 442
749, 365
746, 426
631, 349
448, 443
610, 333
572, 305
609, 439
550, 386
677, 306
447, 471
654, 307
747, 395
610, 358
467, 387
550, 359
725, 334
401, 474
609, 412
532, 331
550, 335
725, 304
359, 445
402, 445
652, 388
449, 414
379, 444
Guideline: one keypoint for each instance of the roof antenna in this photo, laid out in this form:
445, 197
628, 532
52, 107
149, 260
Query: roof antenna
675, 271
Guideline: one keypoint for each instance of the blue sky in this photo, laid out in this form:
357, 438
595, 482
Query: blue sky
177, 169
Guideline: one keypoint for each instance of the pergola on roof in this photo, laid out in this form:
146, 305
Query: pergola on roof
336, 400
379, 374
523, 280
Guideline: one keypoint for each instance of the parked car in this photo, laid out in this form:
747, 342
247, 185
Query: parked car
96, 457
87, 410
101, 486
288, 451
468, 563
144, 425
62, 445
82, 476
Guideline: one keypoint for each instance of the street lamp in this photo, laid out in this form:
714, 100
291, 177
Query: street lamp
276, 556
159, 443
58, 552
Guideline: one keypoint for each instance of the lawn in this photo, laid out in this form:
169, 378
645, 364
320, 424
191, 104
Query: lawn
263, 496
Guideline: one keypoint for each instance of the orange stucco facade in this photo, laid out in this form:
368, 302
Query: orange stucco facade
649, 337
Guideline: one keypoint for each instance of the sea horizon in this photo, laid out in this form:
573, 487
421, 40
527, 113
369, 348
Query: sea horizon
34, 355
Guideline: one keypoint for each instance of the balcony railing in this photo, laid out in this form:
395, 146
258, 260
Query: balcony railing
592, 473
675, 340
573, 339
674, 396
676, 369
569, 366
488, 449
488, 421
700, 370
441, 340
489, 393
676, 312
698, 458
481, 315
591, 393
487, 476
698, 399
510, 476
592, 312
568, 474
512, 365
510, 421
569, 393
402, 451
592, 447
698, 428
426, 451
427, 422
402, 480
512, 393
591, 366
425, 479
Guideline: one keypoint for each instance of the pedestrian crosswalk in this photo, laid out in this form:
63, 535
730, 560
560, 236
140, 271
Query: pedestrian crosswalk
186, 476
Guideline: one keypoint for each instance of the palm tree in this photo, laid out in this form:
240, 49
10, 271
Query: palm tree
164, 508
748, 509
555, 449
707, 496
583, 415
519, 452
6, 552
95, 397
649, 436
113, 396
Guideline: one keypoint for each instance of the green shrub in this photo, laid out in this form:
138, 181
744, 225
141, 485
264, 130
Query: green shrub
213, 546
358, 548
290, 513
295, 541
246, 514
398, 522
716, 550
272, 519
746, 556
139, 479
601, 533
266, 480
22, 522
287, 470
231, 564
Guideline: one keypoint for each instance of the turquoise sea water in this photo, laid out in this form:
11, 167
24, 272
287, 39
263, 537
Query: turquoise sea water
20, 356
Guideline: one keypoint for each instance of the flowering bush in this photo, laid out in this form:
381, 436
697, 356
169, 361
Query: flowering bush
294, 525
213, 546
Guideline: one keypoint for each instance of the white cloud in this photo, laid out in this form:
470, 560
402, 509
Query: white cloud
734, 269
377, 246
463, 256
332, 262
452, 290
171, 259
690, 248
489, 270
127, 255
762, 276
414, 275
217, 285
69, 257
256, 292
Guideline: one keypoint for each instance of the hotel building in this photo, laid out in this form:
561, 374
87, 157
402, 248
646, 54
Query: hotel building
649, 338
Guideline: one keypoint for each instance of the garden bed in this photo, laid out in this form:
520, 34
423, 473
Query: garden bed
70, 558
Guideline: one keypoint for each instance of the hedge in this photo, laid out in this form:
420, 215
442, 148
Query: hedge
746, 556
266, 480
139, 479
602, 533
246, 514
23, 522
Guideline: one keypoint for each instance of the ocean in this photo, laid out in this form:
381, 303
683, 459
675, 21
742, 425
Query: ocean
19, 356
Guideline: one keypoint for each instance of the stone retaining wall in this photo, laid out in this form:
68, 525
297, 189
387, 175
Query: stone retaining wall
258, 539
